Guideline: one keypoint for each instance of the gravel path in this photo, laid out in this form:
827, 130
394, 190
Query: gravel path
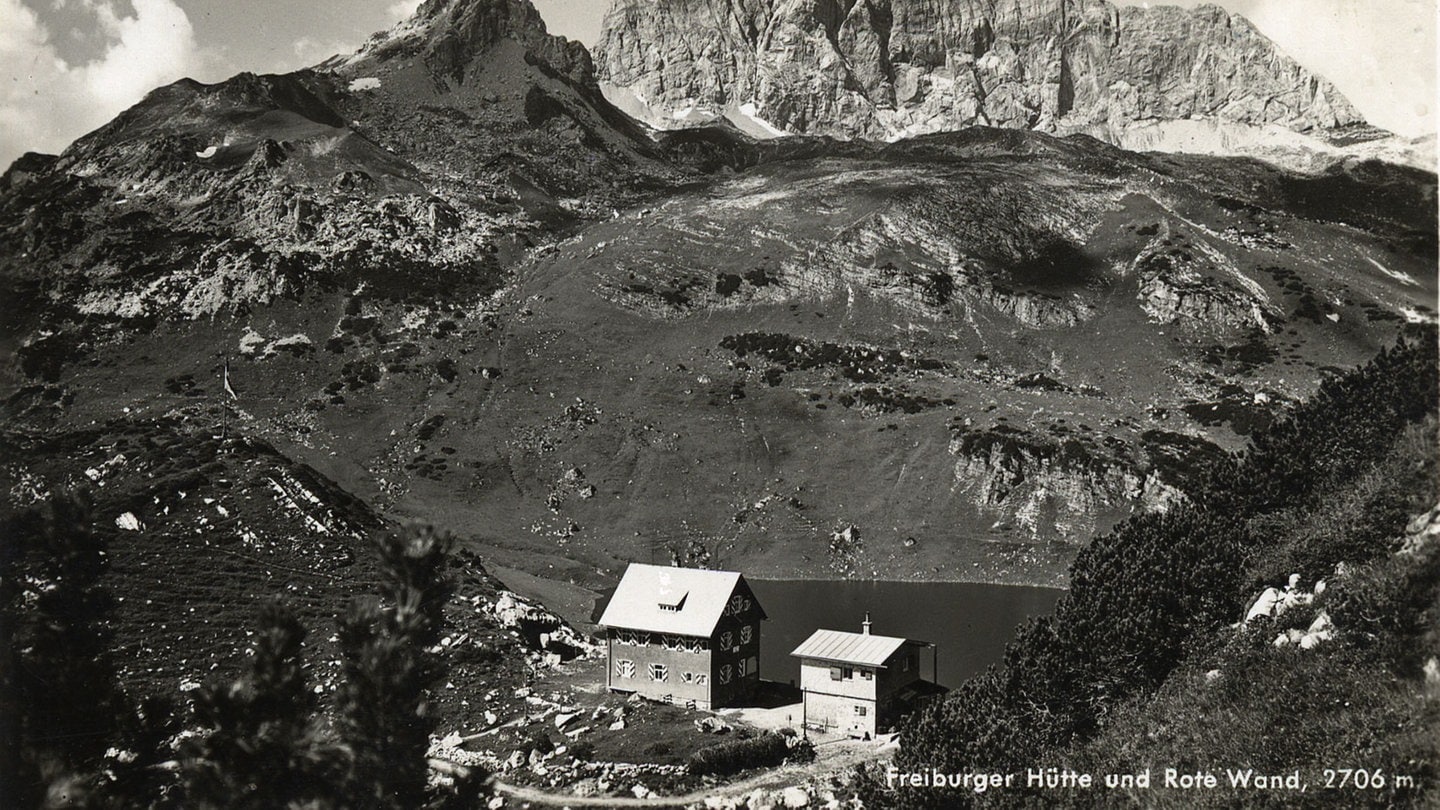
831, 757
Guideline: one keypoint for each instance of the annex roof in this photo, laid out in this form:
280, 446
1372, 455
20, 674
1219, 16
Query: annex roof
848, 648
665, 599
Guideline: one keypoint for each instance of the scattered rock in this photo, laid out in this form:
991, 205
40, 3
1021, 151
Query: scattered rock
711, 725
795, 797
250, 342
1273, 602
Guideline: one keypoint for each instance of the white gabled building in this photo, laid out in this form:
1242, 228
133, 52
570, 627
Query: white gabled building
683, 635
858, 683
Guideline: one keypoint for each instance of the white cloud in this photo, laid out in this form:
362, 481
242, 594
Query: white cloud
402, 9
310, 51
45, 103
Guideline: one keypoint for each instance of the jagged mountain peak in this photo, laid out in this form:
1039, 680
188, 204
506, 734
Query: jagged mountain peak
450, 36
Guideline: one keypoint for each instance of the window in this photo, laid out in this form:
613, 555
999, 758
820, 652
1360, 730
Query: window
849, 673
727, 640
746, 633
687, 677
737, 605
740, 667
682, 644
867, 674
860, 711
659, 672
702, 679
725, 673
836, 673
625, 668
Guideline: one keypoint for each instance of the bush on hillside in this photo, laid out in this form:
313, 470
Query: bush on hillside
763, 751
1143, 596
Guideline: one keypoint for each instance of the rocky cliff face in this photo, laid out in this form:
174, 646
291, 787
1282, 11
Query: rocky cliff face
1061, 489
885, 69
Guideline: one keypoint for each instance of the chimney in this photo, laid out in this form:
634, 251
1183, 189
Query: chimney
865, 625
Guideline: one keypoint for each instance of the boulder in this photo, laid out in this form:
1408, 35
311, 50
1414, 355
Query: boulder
795, 797
1264, 605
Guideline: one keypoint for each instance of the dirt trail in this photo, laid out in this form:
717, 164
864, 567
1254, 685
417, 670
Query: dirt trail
831, 757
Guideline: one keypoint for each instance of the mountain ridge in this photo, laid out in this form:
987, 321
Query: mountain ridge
886, 69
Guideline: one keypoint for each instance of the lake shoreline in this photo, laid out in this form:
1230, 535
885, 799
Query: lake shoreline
969, 623
999, 583
575, 603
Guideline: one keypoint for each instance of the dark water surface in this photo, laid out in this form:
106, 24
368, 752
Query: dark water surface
971, 623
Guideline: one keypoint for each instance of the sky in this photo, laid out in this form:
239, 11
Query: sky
68, 66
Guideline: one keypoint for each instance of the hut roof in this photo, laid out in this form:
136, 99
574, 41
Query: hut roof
839, 647
683, 601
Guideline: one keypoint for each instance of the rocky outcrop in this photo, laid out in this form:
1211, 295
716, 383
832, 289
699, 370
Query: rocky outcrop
1200, 303
1185, 281
1047, 489
886, 69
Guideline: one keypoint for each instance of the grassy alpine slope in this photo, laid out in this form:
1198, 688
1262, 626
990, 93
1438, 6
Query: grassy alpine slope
1143, 664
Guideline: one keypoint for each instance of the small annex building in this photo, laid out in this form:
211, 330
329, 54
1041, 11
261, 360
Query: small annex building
683, 635
858, 683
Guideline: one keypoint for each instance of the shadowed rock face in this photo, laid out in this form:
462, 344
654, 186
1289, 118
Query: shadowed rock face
894, 68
